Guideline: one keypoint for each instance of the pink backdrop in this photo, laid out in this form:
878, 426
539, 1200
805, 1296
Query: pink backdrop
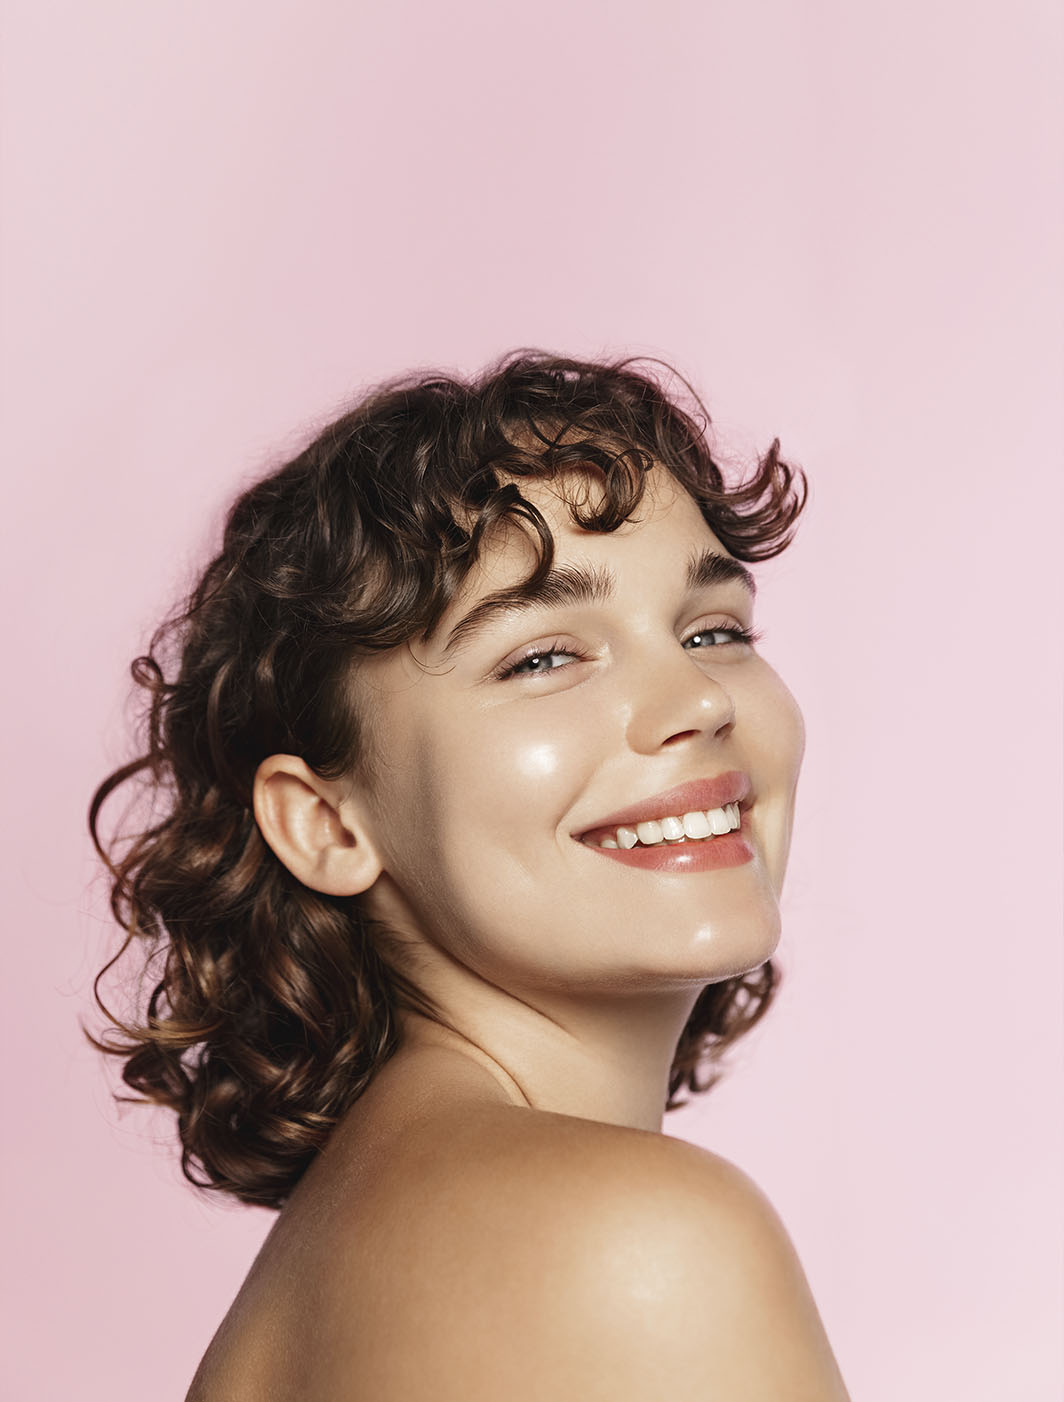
842, 220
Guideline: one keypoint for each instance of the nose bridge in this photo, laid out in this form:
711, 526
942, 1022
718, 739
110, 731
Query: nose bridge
672, 695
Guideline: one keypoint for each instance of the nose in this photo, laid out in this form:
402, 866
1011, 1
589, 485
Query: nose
674, 699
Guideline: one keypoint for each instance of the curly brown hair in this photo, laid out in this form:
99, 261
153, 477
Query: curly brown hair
275, 1004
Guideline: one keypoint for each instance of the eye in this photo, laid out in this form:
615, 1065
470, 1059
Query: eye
721, 637
538, 660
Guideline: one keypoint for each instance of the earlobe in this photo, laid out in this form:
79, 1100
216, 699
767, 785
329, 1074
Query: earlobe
318, 835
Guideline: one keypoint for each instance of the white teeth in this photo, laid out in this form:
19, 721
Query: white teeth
696, 824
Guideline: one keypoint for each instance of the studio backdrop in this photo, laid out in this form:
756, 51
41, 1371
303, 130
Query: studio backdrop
223, 220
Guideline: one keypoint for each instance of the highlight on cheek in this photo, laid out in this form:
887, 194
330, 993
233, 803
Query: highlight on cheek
538, 760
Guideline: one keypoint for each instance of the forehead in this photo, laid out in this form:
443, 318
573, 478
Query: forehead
666, 524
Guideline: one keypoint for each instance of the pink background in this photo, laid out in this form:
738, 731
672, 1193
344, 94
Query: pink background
842, 220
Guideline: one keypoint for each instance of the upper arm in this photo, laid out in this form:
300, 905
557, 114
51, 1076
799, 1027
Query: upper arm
680, 1282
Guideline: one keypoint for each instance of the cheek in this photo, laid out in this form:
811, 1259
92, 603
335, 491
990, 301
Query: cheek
480, 796
792, 730
779, 728
486, 804
778, 732
520, 770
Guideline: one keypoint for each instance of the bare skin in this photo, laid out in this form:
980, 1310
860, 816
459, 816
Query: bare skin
499, 1215
453, 1246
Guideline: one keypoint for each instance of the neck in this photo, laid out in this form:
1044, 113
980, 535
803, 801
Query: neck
604, 1058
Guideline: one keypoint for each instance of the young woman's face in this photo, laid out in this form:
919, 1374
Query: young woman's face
503, 761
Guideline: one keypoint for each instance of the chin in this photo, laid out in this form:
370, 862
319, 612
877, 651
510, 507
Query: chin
734, 942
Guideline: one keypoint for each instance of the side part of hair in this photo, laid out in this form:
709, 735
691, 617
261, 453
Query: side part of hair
271, 1006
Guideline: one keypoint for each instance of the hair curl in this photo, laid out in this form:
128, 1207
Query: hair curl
275, 1004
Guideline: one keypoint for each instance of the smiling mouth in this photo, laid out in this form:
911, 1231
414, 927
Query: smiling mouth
698, 826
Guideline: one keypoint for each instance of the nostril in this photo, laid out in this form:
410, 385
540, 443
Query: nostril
680, 735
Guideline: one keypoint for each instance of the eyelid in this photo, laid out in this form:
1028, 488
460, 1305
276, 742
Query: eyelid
728, 623
541, 648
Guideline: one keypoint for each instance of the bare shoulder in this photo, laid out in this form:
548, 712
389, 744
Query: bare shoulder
661, 1269
492, 1251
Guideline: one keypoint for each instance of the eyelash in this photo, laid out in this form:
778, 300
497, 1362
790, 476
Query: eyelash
749, 636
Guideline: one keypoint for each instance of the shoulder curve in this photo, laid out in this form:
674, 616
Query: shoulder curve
563, 1158
566, 1160
658, 1256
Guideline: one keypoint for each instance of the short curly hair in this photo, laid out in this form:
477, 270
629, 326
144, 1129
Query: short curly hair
273, 1005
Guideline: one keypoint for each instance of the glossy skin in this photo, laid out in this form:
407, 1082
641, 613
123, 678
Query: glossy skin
499, 1214
573, 971
449, 1246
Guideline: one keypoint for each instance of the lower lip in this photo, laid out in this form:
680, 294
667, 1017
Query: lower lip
731, 849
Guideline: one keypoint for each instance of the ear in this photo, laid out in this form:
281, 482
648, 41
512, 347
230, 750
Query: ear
313, 829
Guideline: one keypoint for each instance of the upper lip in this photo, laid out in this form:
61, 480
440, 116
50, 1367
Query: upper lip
731, 787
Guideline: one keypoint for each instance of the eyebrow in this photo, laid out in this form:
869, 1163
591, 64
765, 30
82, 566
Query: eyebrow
585, 584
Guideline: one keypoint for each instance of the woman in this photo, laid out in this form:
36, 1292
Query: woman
475, 805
